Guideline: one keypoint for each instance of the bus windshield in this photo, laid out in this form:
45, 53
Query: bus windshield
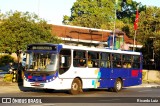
41, 61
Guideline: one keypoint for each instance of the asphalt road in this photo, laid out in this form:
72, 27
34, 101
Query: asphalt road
126, 92
13, 90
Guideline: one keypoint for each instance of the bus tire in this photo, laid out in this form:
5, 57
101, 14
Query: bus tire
76, 87
118, 85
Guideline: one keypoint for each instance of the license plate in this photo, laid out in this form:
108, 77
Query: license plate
36, 84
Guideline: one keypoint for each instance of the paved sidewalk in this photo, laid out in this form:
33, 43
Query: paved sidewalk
149, 85
9, 87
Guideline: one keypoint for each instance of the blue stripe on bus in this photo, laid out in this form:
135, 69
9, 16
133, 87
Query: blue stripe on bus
108, 77
41, 78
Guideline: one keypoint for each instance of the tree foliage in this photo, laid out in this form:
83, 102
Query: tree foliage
18, 29
92, 13
101, 14
5, 59
126, 15
149, 31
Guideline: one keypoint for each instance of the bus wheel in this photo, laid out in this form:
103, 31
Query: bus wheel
117, 85
76, 87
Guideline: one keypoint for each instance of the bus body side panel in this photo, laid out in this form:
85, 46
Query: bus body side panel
135, 77
92, 78
130, 77
119, 73
110, 75
57, 84
89, 76
105, 78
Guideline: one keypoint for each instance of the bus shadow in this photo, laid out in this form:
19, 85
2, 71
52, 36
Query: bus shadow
63, 92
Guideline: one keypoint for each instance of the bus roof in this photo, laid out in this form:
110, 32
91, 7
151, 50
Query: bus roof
109, 50
100, 49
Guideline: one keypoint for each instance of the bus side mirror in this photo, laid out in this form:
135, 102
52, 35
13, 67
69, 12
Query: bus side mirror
62, 60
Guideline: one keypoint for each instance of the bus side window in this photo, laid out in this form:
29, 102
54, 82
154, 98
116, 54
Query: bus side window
116, 60
129, 65
64, 60
79, 58
124, 65
136, 61
90, 62
76, 61
105, 60
103, 64
127, 61
93, 59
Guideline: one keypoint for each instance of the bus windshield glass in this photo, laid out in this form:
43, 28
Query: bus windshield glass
41, 61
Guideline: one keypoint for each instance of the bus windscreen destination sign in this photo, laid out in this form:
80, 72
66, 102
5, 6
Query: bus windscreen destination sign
41, 47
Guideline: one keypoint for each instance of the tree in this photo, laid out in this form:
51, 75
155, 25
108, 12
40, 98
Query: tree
18, 29
149, 28
101, 14
92, 13
126, 15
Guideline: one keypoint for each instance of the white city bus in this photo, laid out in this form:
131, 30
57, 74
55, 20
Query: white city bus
74, 68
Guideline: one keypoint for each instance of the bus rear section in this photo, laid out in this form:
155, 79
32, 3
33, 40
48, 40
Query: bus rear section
125, 70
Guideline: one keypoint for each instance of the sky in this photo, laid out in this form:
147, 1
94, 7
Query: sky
51, 10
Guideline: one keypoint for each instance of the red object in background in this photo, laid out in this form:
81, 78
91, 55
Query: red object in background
136, 21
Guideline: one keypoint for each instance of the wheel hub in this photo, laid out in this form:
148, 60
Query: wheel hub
75, 86
119, 85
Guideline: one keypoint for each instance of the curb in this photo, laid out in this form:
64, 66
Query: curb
145, 86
